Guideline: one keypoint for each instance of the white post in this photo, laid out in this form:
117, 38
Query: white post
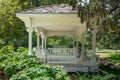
77, 46
94, 41
38, 40
73, 43
42, 44
93, 56
45, 42
82, 58
30, 40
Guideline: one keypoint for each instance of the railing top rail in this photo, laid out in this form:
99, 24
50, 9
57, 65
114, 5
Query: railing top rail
60, 48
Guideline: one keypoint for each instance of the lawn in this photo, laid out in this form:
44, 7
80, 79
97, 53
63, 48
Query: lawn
106, 52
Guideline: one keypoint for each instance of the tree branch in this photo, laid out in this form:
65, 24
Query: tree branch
115, 7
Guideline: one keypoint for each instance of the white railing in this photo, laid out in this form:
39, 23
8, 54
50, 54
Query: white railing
57, 55
61, 55
38, 53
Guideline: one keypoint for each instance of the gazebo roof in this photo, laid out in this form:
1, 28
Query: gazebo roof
53, 20
54, 9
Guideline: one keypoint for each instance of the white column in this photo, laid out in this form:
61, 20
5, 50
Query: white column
82, 57
30, 40
38, 40
77, 46
94, 41
45, 42
93, 56
42, 44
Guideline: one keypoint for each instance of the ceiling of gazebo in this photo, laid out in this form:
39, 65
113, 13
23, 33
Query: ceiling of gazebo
52, 21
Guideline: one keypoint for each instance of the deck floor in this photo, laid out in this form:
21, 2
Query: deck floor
78, 63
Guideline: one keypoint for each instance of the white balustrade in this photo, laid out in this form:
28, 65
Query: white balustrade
61, 55
57, 55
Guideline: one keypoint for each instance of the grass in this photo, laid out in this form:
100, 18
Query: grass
106, 52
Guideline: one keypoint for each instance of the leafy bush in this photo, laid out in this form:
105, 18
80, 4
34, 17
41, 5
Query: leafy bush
6, 52
41, 72
95, 76
19, 66
3, 58
114, 56
14, 67
9, 57
115, 60
21, 49
7, 49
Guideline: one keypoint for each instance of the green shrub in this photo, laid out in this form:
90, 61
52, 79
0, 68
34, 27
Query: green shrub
41, 72
14, 67
115, 60
21, 49
115, 57
19, 66
3, 58
7, 49
6, 52
97, 76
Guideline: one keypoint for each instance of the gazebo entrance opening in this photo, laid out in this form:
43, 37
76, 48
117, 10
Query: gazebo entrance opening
60, 41
59, 50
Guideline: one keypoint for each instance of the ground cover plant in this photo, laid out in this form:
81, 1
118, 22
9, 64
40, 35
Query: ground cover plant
16, 65
109, 69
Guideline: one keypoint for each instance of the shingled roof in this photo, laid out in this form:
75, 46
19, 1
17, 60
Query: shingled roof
51, 9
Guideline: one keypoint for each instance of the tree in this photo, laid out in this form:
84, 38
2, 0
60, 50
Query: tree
12, 28
102, 14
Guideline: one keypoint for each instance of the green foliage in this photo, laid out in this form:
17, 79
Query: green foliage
108, 71
25, 4
95, 76
115, 56
11, 27
112, 66
62, 41
19, 66
93, 12
42, 72
49, 2
21, 49
7, 49
115, 60
14, 67
102, 14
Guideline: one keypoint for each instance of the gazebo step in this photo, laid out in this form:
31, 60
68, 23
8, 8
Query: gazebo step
81, 68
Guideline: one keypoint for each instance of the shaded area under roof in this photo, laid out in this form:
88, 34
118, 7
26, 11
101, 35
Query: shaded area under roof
51, 9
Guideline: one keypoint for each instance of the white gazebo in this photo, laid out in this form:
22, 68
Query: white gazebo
59, 20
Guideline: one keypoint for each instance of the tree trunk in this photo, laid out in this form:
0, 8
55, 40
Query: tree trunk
116, 50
